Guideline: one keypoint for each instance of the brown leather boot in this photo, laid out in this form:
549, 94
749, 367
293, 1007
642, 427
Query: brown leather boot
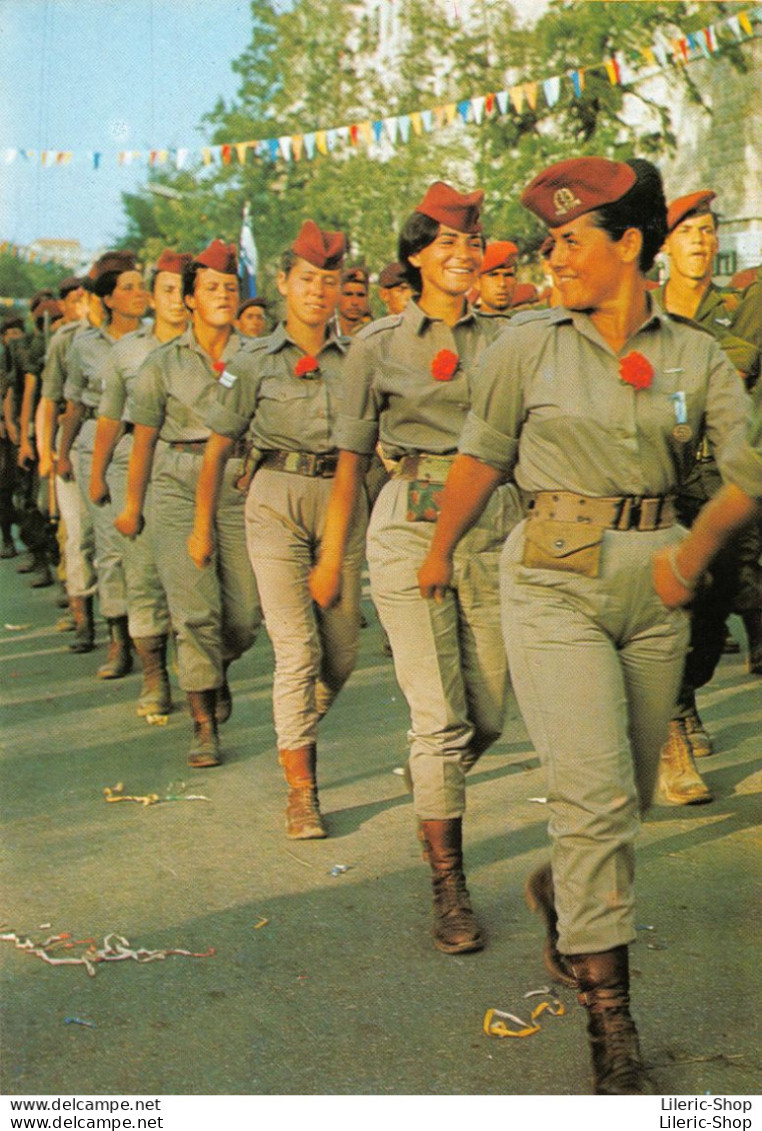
304, 820
41, 574
205, 747
604, 983
700, 742
455, 928
679, 782
119, 659
224, 705
84, 628
540, 898
155, 698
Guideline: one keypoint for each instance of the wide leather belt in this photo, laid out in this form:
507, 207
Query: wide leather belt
89, 411
620, 512
423, 466
198, 447
127, 427
317, 465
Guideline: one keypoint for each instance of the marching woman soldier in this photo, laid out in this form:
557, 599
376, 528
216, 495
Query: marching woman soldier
119, 284
595, 407
147, 612
214, 615
283, 393
408, 384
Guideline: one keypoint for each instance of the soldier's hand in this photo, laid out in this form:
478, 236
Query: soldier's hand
200, 548
99, 492
325, 585
65, 469
26, 455
129, 524
669, 590
435, 577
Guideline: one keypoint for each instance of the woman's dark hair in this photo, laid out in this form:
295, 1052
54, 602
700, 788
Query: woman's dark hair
418, 232
105, 284
643, 207
190, 271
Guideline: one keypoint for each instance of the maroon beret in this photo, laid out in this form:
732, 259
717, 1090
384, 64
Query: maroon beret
393, 275
501, 253
694, 204
111, 261
220, 257
12, 322
562, 192
250, 302
50, 307
69, 284
173, 261
524, 293
322, 249
41, 296
356, 274
455, 209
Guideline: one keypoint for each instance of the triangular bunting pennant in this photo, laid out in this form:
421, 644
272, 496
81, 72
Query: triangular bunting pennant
552, 90
709, 36
378, 129
745, 22
612, 70
660, 51
240, 151
309, 145
578, 81
96, 160
322, 144
330, 140
284, 145
9, 156
181, 158
489, 103
502, 101
297, 145
530, 93
403, 123
450, 112
206, 156
273, 148
477, 108
390, 125
417, 123
226, 153
463, 108
342, 134
366, 132
354, 134
427, 117
517, 98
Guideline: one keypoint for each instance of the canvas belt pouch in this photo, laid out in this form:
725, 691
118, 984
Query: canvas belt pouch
423, 500
570, 547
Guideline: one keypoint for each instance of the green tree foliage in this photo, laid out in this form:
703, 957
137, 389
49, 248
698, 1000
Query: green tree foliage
314, 67
20, 280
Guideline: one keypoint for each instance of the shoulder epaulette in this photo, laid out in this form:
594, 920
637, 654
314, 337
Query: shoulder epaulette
389, 322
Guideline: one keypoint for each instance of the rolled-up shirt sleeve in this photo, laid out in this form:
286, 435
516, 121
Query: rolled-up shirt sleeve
492, 427
356, 427
148, 396
733, 427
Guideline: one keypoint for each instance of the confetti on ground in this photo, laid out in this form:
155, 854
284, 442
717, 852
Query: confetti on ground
17, 627
116, 793
114, 948
495, 1020
80, 1021
262, 923
338, 870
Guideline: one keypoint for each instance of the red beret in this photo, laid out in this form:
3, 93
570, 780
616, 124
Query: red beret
322, 249
220, 257
173, 261
455, 209
393, 275
355, 275
562, 192
501, 253
694, 204
524, 293
50, 307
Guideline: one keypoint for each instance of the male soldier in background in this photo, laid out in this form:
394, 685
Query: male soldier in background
251, 318
689, 293
497, 279
394, 289
352, 312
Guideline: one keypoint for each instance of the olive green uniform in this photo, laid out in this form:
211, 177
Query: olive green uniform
596, 660
448, 657
261, 396
215, 612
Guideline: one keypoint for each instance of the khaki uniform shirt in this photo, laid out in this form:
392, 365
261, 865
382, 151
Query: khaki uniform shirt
747, 320
391, 394
121, 369
176, 386
717, 313
87, 358
57, 359
550, 407
260, 391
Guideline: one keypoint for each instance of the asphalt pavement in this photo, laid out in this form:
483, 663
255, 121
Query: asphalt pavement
311, 968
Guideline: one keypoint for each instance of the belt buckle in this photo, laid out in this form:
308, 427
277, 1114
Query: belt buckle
636, 513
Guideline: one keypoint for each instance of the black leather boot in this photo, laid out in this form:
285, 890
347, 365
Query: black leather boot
119, 659
540, 897
224, 705
455, 928
604, 984
205, 748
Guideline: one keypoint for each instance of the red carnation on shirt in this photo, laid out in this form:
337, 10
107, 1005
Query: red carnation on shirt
218, 366
636, 370
444, 365
306, 365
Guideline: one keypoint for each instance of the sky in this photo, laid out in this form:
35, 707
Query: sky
104, 76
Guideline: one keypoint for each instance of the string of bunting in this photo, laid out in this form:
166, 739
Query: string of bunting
621, 70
